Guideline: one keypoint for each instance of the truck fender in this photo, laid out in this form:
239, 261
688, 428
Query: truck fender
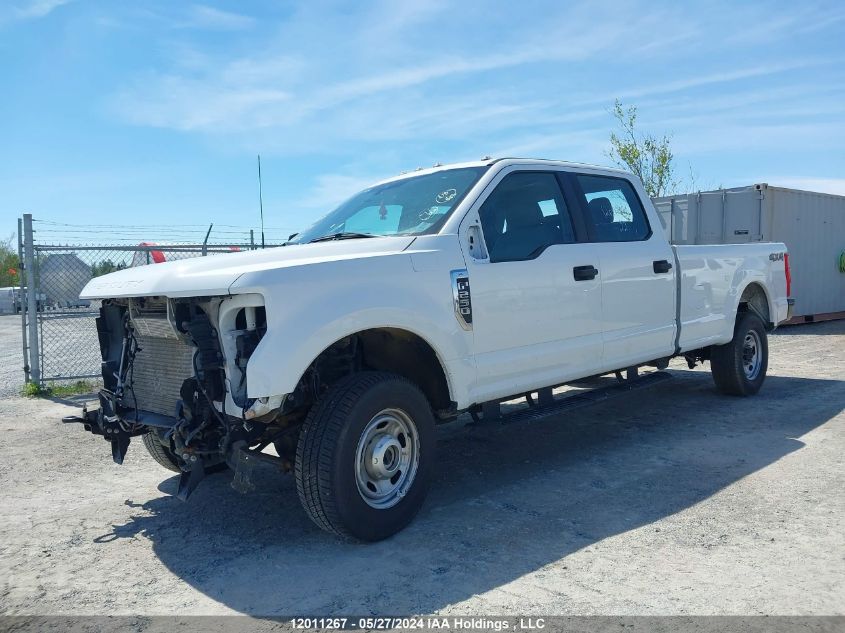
282, 357
752, 287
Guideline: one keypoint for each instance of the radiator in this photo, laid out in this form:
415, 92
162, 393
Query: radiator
161, 366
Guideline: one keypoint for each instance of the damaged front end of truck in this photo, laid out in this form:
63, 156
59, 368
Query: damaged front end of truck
174, 373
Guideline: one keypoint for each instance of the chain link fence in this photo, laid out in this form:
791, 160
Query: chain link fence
60, 336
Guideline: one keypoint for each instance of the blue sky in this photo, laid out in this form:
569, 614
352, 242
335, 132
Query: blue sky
141, 113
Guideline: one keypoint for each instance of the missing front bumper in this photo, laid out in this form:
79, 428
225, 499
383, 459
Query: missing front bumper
118, 425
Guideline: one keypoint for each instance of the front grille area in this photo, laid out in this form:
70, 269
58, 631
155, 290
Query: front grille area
161, 366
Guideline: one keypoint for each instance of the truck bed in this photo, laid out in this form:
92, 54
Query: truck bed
710, 280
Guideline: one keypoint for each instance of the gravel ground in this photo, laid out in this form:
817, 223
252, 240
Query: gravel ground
11, 356
671, 500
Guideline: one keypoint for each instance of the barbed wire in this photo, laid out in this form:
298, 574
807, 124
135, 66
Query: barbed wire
198, 227
140, 231
71, 233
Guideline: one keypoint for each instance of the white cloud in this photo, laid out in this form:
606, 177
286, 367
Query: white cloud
682, 85
729, 136
299, 209
204, 97
774, 26
35, 9
417, 82
204, 17
581, 145
349, 81
330, 190
207, 108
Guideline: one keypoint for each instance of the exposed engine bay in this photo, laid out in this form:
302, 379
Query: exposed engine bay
176, 368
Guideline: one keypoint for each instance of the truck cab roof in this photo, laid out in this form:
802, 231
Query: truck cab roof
507, 161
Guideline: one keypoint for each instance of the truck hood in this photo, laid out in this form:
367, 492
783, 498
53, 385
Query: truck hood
215, 274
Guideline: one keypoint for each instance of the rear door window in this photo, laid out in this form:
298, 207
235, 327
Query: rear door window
613, 209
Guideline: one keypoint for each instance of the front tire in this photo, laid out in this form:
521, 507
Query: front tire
164, 455
365, 456
739, 367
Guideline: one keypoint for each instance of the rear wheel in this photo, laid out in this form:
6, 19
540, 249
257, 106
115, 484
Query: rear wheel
739, 367
365, 455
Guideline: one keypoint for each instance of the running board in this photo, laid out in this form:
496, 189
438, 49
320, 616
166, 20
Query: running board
548, 406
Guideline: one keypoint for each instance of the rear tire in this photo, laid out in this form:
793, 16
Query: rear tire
739, 367
166, 458
365, 456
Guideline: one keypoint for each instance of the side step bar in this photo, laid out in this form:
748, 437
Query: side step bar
547, 405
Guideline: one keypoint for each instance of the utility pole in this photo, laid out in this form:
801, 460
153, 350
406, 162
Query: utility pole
31, 300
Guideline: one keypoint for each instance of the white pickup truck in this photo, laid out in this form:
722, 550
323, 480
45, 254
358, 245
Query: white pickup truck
434, 293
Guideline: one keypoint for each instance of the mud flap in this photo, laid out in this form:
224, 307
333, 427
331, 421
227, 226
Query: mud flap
189, 479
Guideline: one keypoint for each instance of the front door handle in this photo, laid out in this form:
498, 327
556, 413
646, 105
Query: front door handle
584, 273
661, 266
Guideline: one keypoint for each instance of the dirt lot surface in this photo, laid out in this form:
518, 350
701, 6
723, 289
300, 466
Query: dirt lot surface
672, 500
11, 355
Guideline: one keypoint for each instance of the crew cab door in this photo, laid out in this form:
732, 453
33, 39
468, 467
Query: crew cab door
637, 270
535, 289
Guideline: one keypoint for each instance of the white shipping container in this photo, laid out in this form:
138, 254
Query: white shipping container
812, 225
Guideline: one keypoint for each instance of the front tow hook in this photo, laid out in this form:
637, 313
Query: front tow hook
93, 423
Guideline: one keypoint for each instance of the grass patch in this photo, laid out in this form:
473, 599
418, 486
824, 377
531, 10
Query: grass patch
32, 390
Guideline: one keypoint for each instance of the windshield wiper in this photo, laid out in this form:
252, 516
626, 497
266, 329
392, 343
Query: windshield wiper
343, 235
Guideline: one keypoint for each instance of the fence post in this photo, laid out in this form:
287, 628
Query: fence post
31, 299
18, 303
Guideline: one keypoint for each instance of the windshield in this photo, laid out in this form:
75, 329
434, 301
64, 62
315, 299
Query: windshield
416, 205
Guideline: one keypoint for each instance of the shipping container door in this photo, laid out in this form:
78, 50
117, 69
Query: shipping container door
729, 217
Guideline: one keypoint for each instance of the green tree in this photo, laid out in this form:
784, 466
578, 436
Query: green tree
648, 156
10, 266
105, 267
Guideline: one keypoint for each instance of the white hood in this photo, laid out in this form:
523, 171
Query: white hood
215, 274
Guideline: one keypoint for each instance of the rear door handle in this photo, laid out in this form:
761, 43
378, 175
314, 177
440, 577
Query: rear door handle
584, 273
661, 266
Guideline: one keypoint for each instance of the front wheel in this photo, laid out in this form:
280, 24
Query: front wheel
739, 367
365, 455
161, 451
